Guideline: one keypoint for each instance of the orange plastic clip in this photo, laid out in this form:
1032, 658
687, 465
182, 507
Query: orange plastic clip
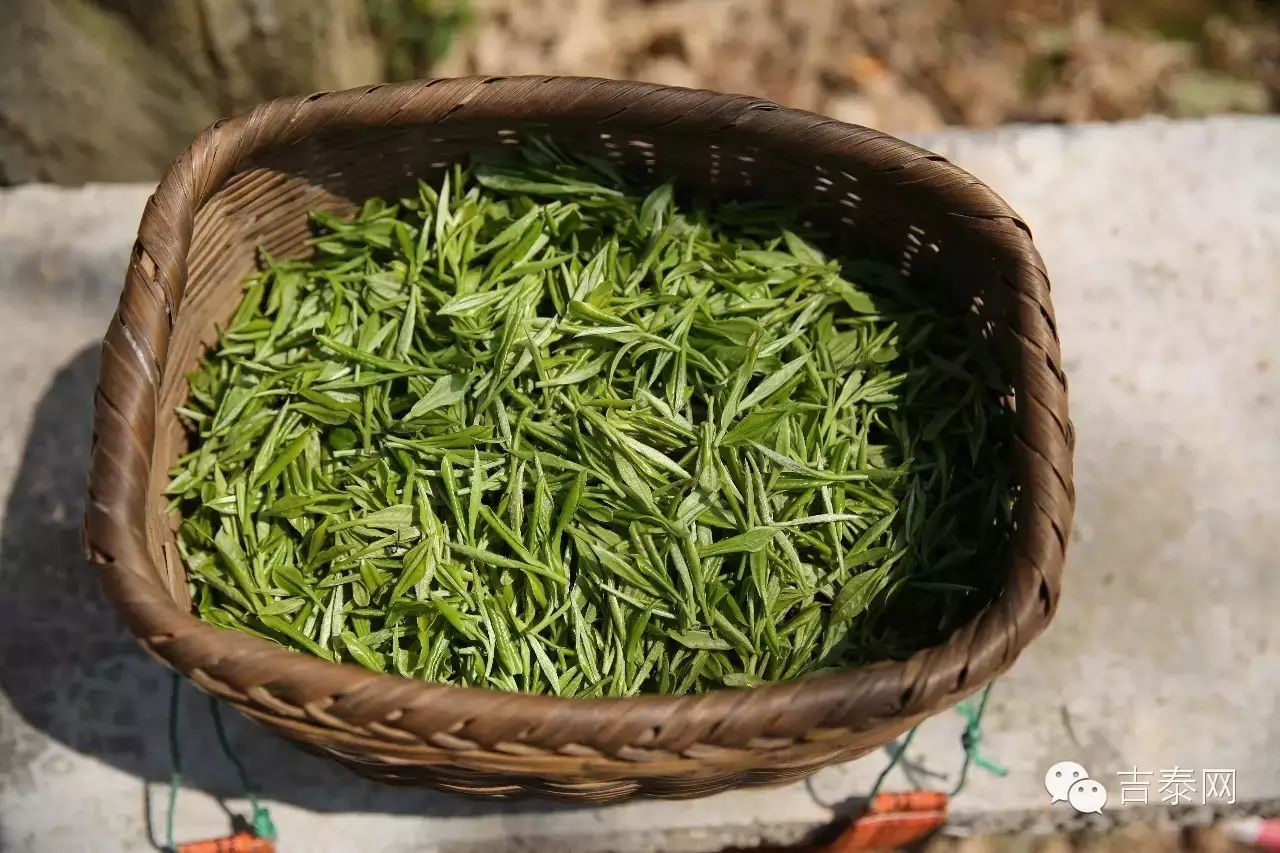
893, 820
241, 842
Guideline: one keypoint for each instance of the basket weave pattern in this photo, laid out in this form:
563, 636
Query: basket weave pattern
248, 182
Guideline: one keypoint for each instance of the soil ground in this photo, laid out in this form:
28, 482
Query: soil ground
904, 65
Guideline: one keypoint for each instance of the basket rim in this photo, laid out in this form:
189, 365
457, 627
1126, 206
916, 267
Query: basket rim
389, 709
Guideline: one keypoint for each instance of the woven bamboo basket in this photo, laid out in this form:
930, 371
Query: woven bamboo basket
249, 181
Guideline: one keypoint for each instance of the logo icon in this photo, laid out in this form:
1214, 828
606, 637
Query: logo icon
1068, 781
1087, 795
1061, 777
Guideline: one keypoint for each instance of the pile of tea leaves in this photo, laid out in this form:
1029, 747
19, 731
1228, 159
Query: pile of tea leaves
537, 429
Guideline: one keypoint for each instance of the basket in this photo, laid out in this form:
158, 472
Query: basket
249, 181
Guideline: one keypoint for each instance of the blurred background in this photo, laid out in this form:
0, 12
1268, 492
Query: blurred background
1161, 237
111, 90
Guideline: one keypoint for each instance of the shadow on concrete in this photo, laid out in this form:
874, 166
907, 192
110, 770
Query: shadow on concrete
73, 672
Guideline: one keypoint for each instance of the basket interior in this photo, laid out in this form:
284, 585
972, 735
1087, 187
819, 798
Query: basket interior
265, 204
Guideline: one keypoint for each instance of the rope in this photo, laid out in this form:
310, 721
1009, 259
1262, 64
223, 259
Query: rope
263, 827
175, 761
970, 740
893, 762
262, 824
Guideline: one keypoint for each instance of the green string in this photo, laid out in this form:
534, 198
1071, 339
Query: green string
893, 762
970, 739
263, 827
175, 760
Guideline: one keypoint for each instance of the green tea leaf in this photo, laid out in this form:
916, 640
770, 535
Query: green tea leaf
445, 391
541, 426
755, 539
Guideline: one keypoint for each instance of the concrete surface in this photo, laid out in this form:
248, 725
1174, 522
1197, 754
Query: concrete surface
1163, 243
